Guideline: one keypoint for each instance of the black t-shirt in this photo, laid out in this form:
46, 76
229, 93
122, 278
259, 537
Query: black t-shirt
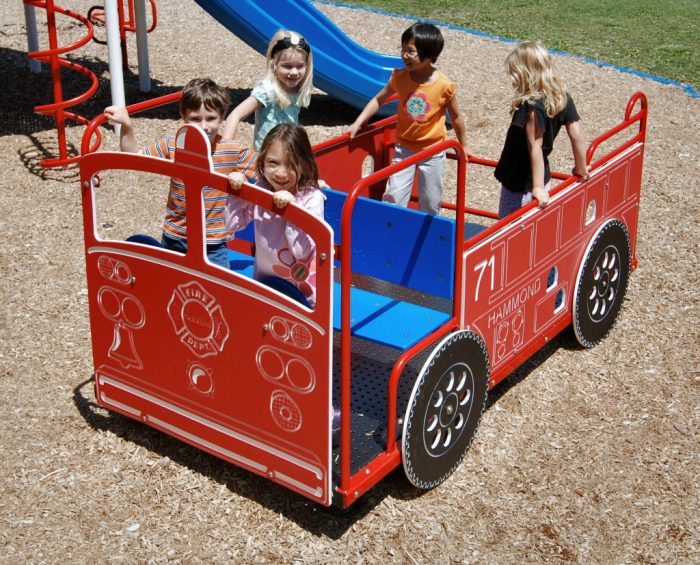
513, 169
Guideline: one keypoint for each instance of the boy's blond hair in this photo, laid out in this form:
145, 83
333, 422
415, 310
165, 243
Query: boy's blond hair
204, 92
535, 77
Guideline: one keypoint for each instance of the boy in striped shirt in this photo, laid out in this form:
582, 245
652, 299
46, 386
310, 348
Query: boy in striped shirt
204, 104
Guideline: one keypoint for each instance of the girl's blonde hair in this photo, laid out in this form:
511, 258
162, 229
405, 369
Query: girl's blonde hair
282, 40
535, 77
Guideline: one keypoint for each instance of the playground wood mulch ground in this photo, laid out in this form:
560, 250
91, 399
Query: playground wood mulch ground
584, 456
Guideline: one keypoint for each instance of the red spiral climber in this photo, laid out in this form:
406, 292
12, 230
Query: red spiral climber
53, 56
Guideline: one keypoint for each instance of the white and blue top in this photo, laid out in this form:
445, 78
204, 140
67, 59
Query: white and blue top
270, 114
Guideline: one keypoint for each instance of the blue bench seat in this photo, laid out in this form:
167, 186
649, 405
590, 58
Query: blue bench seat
385, 320
394, 244
374, 317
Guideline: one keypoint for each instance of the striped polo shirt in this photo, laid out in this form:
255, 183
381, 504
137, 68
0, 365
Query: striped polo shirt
228, 156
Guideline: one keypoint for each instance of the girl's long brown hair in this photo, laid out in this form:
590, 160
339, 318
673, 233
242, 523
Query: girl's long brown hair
299, 153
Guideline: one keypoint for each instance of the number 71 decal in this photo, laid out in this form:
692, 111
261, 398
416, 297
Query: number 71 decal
482, 267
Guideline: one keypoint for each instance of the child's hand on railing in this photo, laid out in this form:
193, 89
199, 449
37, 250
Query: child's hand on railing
542, 196
117, 115
353, 129
282, 198
468, 151
581, 172
236, 180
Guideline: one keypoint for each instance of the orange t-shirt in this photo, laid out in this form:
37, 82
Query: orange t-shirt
227, 156
421, 109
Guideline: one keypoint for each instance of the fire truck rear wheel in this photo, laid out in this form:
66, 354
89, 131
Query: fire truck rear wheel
445, 408
601, 284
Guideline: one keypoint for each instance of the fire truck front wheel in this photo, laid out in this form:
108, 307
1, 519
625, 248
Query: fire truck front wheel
601, 284
444, 409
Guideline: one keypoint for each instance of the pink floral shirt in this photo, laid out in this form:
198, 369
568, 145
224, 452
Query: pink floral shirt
281, 248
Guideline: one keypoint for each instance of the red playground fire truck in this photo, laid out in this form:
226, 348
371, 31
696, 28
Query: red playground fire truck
417, 316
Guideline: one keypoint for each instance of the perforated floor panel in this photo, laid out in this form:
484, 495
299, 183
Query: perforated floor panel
371, 366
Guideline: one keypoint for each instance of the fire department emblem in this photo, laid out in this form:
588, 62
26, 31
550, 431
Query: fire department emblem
198, 320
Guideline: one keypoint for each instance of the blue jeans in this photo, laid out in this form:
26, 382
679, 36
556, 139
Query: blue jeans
511, 201
216, 253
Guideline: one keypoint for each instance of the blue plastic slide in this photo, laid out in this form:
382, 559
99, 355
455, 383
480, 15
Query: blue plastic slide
342, 68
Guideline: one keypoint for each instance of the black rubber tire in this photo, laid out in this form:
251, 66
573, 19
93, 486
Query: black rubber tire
601, 284
444, 409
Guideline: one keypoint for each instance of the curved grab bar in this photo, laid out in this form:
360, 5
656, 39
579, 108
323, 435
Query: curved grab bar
132, 109
630, 118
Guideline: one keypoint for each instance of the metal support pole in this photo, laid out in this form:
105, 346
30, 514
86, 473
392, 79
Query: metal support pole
32, 37
56, 80
114, 54
142, 46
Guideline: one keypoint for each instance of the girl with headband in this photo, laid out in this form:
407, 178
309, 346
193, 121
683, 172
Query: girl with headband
285, 88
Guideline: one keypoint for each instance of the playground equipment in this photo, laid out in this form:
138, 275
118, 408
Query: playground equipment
342, 68
118, 25
127, 23
53, 56
427, 314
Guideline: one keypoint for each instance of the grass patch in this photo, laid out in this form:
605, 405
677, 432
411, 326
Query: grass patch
657, 37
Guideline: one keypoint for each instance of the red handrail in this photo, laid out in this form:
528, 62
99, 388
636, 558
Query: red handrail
132, 109
640, 116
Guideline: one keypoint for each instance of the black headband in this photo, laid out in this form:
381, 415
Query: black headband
286, 42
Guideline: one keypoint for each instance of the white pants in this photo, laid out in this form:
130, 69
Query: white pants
430, 180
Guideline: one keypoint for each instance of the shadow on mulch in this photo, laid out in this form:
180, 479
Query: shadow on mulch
316, 519
326, 111
27, 90
564, 340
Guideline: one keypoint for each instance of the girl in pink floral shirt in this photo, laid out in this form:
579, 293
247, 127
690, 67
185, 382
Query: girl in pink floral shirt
282, 250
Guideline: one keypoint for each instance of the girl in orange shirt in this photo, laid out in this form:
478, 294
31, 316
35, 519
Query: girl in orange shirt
425, 94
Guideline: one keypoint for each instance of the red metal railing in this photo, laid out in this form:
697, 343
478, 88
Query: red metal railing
640, 116
350, 487
59, 107
92, 128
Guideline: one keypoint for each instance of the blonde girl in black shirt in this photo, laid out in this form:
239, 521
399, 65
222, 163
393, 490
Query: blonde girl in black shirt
540, 106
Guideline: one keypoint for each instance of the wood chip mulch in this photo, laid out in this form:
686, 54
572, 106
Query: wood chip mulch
582, 456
